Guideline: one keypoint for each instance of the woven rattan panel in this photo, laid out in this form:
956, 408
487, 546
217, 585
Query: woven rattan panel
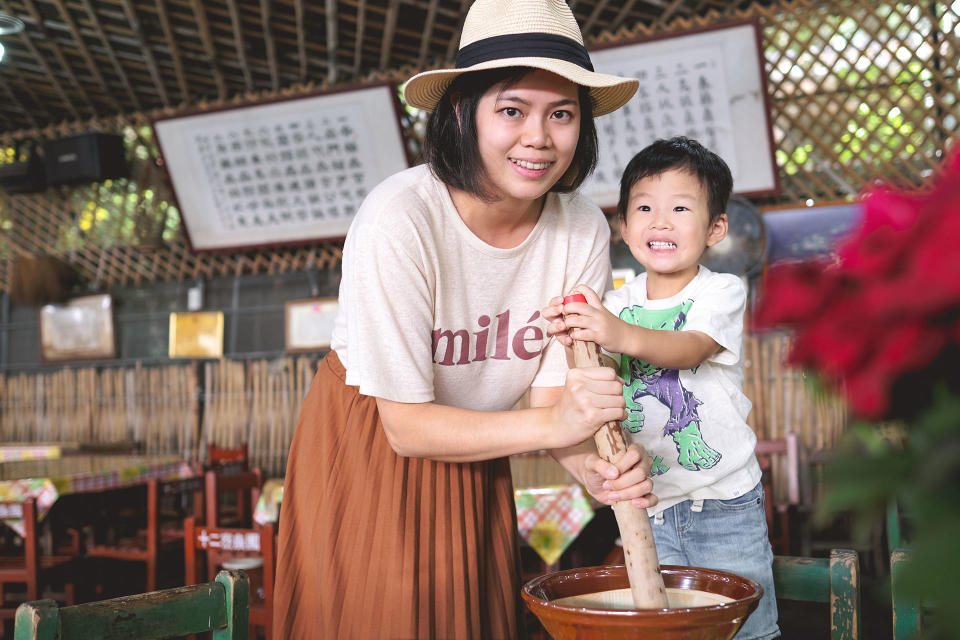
859, 91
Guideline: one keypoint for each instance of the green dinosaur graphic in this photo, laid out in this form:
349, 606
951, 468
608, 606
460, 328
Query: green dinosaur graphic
644, 379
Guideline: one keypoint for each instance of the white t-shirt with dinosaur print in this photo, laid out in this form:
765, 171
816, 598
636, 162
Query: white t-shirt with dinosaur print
429, 312
691, 421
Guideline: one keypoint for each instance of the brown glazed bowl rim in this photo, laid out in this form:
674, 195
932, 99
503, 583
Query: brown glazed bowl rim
534, 601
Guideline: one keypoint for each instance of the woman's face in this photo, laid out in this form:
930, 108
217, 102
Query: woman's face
527, 134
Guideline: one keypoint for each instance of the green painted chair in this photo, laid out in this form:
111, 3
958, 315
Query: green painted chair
907, 614
835, 581
221, 606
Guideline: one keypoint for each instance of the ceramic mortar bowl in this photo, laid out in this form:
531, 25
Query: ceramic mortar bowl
728, 600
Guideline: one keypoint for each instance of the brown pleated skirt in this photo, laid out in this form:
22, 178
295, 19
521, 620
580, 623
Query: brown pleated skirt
374, 545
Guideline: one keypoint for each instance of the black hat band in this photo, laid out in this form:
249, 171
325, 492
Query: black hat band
524, 45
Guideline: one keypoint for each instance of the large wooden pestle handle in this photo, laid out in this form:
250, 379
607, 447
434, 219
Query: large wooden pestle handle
639, 550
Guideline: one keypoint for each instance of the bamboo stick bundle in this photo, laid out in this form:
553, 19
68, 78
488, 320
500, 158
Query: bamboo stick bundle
292, 403
57, 428
4, 409
256, 400
22, 397
131, 401
172, 431
268, 388
118, 410
206, 426
256, 403
274, 406
156, 405
191, 417
271, 405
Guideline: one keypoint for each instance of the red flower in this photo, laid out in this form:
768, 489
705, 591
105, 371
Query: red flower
792, 293
889, 306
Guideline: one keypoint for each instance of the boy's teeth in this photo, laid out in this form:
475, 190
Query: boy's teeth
536, 166
662, 245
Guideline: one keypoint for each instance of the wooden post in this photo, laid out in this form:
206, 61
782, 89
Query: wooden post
639, 549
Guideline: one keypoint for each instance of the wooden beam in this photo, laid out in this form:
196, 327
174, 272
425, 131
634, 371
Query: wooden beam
668, 12
358, 43
332, 41
454, 43
174, 51
390, 24
622, 16
58, 52
427, 34
25, 38
240, 45
301, 40
594, 16
5, 85
268, 44
91, 12
131, 14
203, 28
92, 66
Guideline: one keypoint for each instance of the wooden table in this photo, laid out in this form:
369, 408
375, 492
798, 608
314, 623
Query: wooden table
48, 480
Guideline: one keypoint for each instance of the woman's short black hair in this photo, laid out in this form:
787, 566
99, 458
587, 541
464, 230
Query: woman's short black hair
451, 148
685, 154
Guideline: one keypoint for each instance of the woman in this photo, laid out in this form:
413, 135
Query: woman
398, 517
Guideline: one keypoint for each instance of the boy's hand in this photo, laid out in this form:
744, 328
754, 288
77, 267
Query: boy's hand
592, 322
553, 314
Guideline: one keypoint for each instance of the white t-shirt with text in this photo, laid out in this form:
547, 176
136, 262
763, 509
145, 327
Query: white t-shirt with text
431, 313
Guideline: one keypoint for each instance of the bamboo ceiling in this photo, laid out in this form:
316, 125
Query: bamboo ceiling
83, 59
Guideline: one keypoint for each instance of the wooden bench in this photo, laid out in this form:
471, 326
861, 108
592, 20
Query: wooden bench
835, 581
221, 606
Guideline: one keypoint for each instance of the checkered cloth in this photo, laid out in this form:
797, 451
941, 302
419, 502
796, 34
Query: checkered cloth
551, 518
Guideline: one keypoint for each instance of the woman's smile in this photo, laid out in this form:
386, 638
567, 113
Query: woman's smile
527, 134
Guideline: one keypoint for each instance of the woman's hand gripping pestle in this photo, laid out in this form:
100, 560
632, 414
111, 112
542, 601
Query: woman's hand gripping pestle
640, 551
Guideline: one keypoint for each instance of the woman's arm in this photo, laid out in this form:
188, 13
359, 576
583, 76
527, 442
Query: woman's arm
590, 397
628, 479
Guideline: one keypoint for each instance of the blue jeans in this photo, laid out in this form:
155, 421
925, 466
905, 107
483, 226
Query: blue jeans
729, 535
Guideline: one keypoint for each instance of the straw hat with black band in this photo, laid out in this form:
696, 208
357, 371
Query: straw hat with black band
542, 34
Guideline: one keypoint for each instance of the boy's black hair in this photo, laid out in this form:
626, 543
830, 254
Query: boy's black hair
685, 154
451, 148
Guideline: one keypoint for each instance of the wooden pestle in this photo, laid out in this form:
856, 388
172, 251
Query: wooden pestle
639, 549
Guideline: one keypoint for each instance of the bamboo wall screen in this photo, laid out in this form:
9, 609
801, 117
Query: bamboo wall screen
859, 90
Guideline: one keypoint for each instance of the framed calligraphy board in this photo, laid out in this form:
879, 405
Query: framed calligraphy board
707, 84
285, 172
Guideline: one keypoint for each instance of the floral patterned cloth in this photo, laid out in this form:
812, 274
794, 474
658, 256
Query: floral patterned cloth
47, 480
13, 453
268, 506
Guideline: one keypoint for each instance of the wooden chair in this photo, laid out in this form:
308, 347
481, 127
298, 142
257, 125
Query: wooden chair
208, 547
835, 581
158, 536
218, 457
31, 567
243, 486
907, 613
221, 606
780, 512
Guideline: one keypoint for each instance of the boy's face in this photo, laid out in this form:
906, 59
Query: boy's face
667, 225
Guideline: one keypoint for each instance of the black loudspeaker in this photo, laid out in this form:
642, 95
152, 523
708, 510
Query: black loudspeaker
23, 176
88, 157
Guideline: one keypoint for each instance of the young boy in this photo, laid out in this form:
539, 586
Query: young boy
679, 327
